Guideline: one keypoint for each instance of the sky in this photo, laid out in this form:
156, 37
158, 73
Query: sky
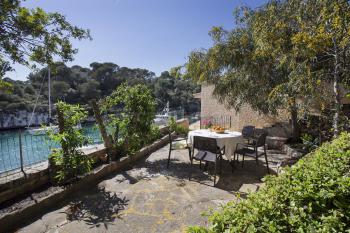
152, 34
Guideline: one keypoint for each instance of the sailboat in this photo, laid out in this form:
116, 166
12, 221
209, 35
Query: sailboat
50, 127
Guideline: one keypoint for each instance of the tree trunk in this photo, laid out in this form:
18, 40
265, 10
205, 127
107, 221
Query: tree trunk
294, 121
107, 139
337, 104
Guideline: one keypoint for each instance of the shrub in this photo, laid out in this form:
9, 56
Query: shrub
311, 196
178, 129
133, 127
309, 143
69, 162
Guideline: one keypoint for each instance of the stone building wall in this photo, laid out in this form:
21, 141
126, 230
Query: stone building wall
276, 125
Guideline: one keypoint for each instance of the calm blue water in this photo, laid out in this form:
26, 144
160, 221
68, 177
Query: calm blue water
36, 148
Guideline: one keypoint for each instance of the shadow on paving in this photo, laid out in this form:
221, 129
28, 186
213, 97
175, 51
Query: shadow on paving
96, 207
251, 173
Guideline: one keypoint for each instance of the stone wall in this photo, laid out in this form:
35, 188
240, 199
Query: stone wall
276, 125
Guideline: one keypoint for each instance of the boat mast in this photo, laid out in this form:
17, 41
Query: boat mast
49, 83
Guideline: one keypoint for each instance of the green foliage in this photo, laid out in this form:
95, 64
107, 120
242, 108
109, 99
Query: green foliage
79, 85
311, 196
133, 125
175, 127
5, 87
154, 134
177, 91
310, 143
279, 53
69, 162
35, 35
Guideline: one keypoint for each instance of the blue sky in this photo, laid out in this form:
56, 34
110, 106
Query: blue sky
151, 34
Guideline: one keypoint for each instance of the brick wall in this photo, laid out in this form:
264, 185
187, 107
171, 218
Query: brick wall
246, 116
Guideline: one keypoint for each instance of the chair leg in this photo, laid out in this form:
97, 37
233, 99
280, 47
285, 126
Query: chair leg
168, 158
215, 174
189, 153
256, 159
191, 167
243, 160
220, 166
267, 164
200, 164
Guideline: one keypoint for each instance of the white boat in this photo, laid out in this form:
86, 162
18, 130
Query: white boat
163, 119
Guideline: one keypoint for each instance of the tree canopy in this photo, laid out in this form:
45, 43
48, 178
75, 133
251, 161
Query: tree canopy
80, 85
33, 36
277, 55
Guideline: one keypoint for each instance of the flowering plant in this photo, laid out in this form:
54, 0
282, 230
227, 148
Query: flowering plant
207, 123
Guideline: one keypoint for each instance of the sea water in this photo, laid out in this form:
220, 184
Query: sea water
35, 148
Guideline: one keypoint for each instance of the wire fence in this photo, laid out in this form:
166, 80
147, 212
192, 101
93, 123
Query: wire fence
19, 148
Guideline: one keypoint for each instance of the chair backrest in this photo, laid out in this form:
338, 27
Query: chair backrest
248, 131
260, 139
205, 144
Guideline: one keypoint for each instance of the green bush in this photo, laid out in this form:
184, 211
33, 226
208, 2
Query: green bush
68, 162
311, 196
175, 127
133, 126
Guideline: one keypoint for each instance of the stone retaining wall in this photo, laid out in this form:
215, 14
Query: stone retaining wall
40, 202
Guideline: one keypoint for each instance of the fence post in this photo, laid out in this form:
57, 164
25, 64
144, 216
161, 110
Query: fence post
230, 122
21, 150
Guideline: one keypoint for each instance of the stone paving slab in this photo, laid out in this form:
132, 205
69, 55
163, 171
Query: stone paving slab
151, 198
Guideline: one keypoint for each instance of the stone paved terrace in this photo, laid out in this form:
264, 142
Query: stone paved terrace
151, 198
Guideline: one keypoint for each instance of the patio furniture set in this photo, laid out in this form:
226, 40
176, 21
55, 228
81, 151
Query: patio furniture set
211, 147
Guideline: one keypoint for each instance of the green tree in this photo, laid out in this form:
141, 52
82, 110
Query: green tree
276, 55
323, 39
134, 125
33, 35
89, 91
244, 75
59, 90
178, 91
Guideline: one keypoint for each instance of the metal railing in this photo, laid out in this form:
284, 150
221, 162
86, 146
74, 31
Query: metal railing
217, 120
19, 149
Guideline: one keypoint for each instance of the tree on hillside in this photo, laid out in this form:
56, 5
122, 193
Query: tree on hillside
178, 92
105, 74
33, 35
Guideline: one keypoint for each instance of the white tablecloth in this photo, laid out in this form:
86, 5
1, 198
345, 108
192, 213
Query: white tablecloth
229, 139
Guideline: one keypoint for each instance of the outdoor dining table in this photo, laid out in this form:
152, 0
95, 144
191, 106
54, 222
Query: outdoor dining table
229, 139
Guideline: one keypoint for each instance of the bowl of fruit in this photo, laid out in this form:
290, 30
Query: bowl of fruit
218, 129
